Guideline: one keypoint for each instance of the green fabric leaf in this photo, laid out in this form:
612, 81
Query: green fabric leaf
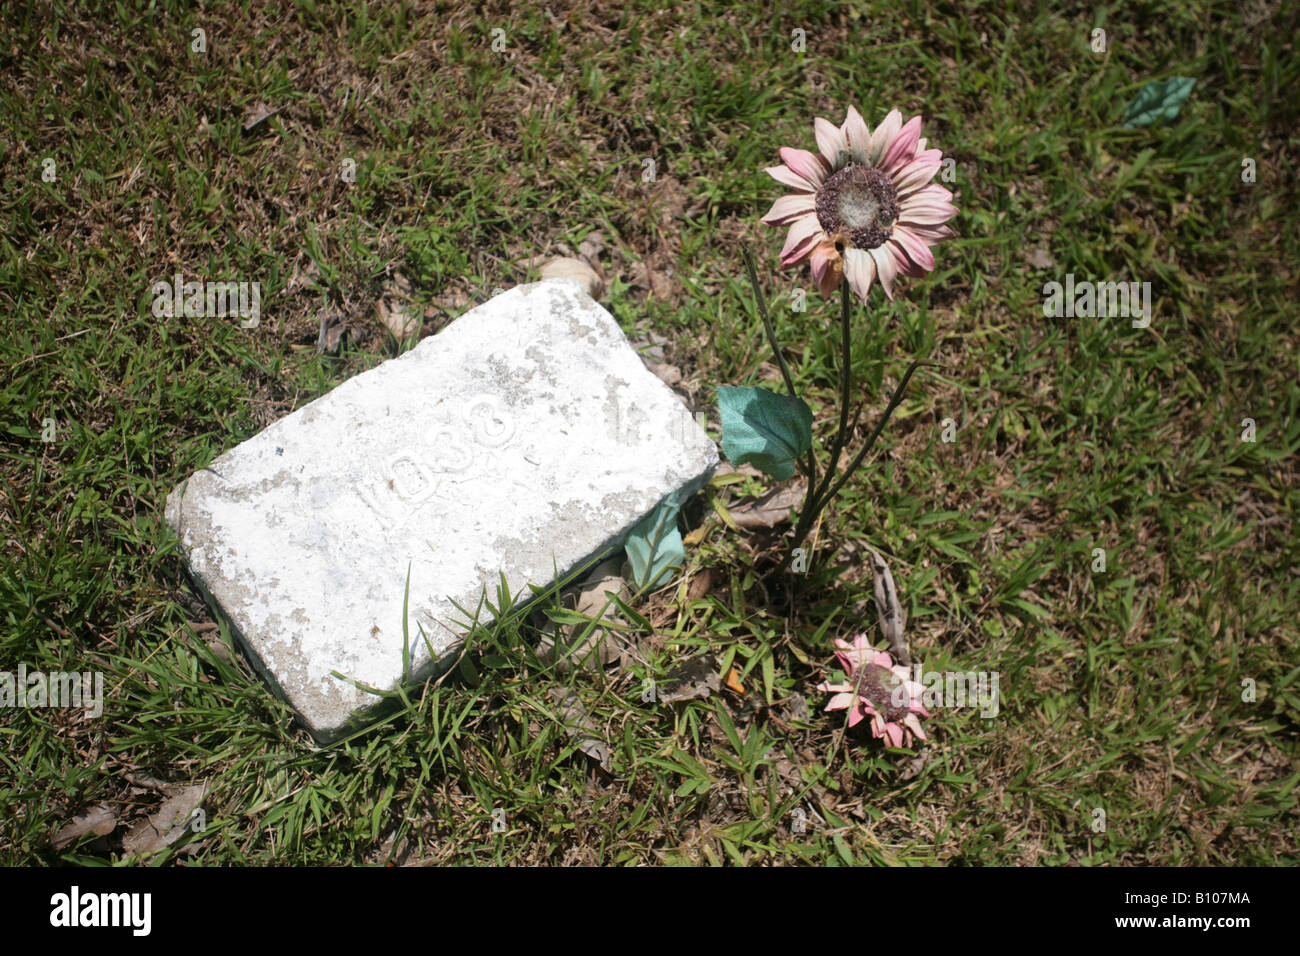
1158, 101
764, 428
654, 547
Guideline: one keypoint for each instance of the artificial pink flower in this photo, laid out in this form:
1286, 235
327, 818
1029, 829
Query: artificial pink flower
878, 688
865, 208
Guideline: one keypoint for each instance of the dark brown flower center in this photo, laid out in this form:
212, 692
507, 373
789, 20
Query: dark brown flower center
860, 204
883, 687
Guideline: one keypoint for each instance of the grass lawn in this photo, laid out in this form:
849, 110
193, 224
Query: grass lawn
1150, 711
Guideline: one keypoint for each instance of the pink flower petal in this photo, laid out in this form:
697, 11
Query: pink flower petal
895, 734
788, 177
903, 148
830, 140
926, 233
860, 269
856, 132
915, 725
906, 267
914, 690
853, 655
883, 137
882, 659
925, 212
861, 645
788, 208
804, 234
855, 716
918, 172
910, 268
803, 163
932, 193
822, 260
886, 269
840, 702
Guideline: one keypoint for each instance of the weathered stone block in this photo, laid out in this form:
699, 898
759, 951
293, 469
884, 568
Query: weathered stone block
524, 439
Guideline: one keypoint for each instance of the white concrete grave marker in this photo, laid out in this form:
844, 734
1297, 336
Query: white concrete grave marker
524, 439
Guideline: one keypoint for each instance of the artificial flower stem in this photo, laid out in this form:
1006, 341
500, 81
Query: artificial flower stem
814, 506
810, 463
817, 497
894, 402
767, 320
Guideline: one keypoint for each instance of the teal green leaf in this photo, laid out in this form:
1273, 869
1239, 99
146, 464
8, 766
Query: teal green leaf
764, 428
1158, 101
654, 547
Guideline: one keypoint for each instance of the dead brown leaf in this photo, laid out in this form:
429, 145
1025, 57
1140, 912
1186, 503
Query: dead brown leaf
452, 299
99, 820
400, 318
772, 508
591, 247
602, 646
579, 725
577, 270
668, 197
661, 285
670, 375
256, 115
400, 285
912, 768
332, 329
794, 709
169, 824
1040, 259
889, 611
605, 578
700, 585
650, 348
303, 278
695, 679
210, 634
658, 281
